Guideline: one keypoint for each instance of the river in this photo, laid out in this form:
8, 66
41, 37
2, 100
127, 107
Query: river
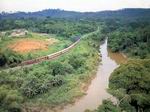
97, 92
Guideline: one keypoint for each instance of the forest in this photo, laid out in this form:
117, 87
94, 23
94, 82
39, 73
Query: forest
47, 82
60, 81
130, 85
130, 82
132, 38
61, 27
64, 30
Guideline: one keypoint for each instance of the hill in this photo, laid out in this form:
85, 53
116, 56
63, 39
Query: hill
57, 13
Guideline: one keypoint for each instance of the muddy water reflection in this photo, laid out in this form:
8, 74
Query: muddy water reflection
96, 92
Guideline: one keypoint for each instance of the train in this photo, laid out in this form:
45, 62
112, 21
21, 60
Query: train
49, 57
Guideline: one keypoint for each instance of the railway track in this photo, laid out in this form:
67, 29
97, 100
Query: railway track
52, 56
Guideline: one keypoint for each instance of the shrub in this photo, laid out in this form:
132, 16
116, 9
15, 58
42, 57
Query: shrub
9, 57
134, 77
34, 86
57, 68
108, 106
57, 81
10, 100
76, 61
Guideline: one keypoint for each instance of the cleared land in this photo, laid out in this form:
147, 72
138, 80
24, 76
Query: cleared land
34, 45
29, 45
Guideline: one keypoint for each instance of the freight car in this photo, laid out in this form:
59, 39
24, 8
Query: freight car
49, 57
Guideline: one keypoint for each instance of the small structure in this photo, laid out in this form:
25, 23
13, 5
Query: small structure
2, 34
19, 33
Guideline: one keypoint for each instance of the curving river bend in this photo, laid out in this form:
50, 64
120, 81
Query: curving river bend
96, 92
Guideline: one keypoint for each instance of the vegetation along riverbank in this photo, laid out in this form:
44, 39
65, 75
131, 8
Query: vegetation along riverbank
130, 82
53, 83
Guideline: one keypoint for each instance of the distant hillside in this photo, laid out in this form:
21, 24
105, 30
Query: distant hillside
53, 13
57, 13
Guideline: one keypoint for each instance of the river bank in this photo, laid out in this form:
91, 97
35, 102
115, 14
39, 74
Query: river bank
93, 89
97, 90
85, 60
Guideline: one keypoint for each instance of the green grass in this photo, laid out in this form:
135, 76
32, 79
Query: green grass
61, 44
72, 88
73, 81
51, 49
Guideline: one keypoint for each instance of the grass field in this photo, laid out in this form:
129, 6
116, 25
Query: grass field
34, 44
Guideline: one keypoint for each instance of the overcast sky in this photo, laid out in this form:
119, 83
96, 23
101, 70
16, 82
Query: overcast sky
73, 5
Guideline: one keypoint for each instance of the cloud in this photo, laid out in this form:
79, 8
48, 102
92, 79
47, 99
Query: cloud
76, 5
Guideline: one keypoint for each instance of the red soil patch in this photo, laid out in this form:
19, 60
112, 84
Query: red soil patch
28, 45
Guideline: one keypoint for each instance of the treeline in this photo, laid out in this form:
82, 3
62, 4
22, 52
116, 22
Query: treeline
9, 58
68, 29
130, 37
127, 13
130, 85
130, 82
61, 27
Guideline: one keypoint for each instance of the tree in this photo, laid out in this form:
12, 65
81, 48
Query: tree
57, 68
76, 61
9, 57
134, 77
10, 99
107, 106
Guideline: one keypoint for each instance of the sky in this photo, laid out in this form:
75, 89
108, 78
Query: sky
71, 5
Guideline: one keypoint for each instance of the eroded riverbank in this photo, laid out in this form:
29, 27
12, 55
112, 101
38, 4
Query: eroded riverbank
96, 92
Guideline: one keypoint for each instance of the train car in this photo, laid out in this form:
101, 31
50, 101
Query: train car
28, 62
51, 56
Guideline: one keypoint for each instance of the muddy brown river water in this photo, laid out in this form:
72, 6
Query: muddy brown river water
97, 92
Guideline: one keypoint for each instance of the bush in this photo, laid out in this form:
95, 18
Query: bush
9, 57
59, 68
76, 61
57, 81
10, 99
31, 88
108, 106
134, 77
35, 87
